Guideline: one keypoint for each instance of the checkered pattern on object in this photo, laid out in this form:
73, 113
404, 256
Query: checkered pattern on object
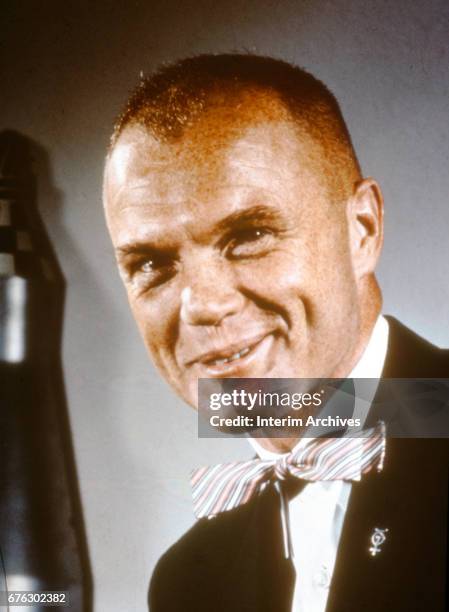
17, 255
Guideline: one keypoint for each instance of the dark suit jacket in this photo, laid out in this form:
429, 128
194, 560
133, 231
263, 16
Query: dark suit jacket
234, 562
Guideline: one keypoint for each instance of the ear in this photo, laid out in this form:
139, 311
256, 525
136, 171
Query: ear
365, 210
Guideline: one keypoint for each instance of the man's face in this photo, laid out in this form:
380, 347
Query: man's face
234, 253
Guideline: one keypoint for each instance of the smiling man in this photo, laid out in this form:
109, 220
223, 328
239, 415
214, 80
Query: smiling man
247, 240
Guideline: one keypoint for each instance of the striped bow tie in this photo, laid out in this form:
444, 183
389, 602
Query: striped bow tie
229, 485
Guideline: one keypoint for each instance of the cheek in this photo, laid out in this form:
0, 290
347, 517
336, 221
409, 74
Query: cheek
275, 276
333, 293
156, 320
310, 278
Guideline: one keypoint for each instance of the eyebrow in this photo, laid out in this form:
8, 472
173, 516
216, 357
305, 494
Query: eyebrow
241, 218
258, 213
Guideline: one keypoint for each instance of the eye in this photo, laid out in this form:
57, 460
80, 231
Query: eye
153, 270
249, 242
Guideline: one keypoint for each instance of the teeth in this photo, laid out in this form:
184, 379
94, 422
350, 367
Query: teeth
219, 361
233, 357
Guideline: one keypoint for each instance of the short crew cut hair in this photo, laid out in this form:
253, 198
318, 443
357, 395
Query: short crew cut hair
172, 98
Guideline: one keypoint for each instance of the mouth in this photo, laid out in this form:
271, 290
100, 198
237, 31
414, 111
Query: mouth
236, 357
231, 358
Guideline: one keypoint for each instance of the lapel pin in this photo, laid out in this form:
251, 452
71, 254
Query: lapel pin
378, 537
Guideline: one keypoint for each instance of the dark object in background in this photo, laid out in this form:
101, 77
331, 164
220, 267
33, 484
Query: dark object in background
42, 537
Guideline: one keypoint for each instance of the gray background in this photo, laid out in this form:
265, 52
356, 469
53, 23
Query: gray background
66, 68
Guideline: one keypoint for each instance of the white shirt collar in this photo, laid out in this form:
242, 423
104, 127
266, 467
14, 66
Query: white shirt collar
370, 365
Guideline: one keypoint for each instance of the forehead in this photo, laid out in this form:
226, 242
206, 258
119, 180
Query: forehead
221, 163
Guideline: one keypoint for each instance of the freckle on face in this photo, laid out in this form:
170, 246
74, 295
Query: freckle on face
257, 254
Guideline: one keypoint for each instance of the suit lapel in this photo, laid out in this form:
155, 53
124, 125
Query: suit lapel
408, 498
357, 571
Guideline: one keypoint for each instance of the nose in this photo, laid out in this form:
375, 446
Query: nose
210, 296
